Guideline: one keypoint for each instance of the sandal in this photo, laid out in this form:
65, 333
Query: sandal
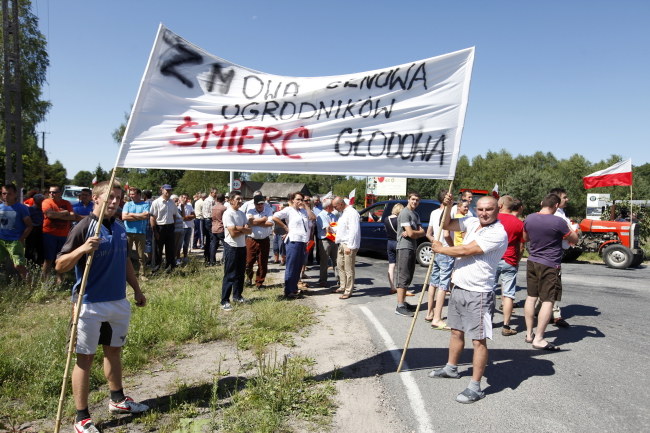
442, 327
531, 339
549, 346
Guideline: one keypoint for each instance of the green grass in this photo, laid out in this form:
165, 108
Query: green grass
182, 308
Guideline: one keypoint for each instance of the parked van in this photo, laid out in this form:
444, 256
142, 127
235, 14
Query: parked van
71, 193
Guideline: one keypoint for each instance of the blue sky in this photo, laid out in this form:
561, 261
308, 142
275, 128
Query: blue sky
554, 76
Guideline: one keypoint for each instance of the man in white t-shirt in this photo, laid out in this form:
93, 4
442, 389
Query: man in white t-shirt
234, 252
471, 305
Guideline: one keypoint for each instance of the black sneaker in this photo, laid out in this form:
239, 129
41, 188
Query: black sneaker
403, 311
410, 307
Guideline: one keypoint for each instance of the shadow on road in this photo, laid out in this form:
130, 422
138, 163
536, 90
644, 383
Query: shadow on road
507, 368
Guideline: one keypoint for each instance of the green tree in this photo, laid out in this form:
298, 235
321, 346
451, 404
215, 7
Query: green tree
346, 186
83, 178
33, 62
55, 174
151, 179
100, 174
264, 177
195, 181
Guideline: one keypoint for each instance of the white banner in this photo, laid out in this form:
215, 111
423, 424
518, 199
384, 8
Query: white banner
197, 111
384, 186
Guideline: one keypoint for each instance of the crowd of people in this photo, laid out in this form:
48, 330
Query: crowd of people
475, 249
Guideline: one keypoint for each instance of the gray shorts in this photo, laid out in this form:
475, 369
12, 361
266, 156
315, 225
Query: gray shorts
404, 268
471, 312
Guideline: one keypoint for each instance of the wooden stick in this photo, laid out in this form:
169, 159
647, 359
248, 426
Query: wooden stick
77, 309
426, 283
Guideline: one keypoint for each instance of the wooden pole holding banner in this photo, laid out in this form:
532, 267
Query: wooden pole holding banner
426, 282
77, 308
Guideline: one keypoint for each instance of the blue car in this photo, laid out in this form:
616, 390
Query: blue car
373, 231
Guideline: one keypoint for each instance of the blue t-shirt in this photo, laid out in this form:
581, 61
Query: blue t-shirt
107, 277
139, 226
11, 221
84, 210
545, 234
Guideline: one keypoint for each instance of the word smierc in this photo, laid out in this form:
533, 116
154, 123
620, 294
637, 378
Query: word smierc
234, 139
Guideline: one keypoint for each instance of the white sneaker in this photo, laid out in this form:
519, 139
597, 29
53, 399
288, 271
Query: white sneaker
126, 406
226, 306
85, 426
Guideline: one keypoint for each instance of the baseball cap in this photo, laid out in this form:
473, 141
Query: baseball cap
167, 186
258, 199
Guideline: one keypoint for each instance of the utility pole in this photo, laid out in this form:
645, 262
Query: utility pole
43, 162
12, 94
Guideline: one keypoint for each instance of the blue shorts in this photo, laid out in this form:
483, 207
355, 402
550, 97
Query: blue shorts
508, 275
52, 245
443, 265
391, 251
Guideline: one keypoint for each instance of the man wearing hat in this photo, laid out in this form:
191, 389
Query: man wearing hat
163, 215
258, 243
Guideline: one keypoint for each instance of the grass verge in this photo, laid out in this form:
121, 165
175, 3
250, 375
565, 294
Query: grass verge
184, 307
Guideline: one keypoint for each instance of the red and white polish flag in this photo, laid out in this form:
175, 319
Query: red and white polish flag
351, 196
618, 174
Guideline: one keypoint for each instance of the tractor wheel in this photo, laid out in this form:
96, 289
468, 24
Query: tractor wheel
423, 254
637, 260
571, 254
617, 256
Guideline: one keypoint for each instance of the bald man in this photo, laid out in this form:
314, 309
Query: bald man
471, 305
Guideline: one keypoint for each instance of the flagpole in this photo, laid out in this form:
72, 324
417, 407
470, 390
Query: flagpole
631, 204
426, 283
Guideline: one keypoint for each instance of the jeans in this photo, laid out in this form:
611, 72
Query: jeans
187, 240
508, 275
279, 247
198, 233
234, 264
215, 240
295, 260
443, 265
207, 236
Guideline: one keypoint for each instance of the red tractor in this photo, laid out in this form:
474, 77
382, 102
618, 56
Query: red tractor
616, 241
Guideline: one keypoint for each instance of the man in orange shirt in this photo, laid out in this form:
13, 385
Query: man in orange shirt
58, 216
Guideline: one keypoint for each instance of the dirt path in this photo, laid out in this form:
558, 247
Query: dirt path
362, 404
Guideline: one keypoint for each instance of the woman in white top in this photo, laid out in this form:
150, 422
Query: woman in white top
299, 219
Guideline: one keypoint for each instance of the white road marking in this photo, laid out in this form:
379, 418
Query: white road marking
412, 391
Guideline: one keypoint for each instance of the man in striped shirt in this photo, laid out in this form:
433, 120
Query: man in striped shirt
471, 305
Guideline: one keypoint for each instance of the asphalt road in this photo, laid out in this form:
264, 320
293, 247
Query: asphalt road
598, 382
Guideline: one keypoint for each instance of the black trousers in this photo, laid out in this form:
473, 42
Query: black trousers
166, 239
